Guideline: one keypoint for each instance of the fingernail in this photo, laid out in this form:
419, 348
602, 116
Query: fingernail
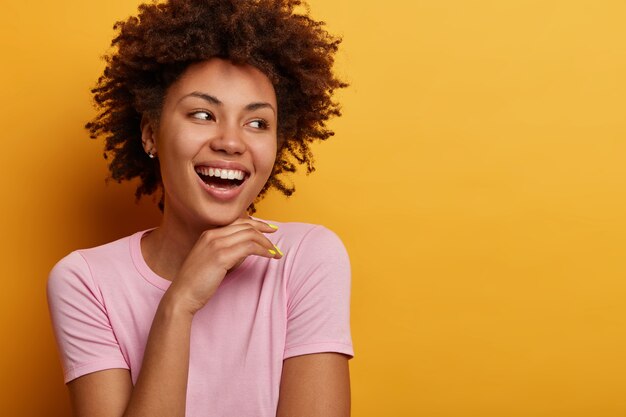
273, 226
272, 252
279, 251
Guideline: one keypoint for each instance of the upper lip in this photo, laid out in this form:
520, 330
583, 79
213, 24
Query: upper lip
223, 165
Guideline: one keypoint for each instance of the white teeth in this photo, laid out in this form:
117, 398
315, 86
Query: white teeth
226, 174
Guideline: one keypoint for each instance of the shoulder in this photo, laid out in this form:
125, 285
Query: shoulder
77, 268
311, 250
312, 236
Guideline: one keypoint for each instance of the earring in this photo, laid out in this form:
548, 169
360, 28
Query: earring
150, 155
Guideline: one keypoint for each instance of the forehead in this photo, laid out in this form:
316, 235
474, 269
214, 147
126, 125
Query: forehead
230, 83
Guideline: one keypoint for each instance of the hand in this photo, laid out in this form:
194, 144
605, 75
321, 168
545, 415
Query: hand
216, 252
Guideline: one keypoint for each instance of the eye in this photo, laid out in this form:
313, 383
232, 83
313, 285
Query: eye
258, 124
202, 115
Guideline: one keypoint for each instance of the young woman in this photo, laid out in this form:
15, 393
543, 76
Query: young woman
213, 313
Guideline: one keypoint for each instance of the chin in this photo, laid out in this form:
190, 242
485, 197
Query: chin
203, 215
221, 216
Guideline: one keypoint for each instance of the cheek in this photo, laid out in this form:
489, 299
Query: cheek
181, 143
266, 156
175, 151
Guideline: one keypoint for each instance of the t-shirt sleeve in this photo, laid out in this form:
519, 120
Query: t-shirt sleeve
318, 291
81, 326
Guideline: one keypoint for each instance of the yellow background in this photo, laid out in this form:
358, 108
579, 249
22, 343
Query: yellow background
478, 179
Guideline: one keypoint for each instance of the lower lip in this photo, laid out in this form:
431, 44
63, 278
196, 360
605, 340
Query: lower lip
222, 194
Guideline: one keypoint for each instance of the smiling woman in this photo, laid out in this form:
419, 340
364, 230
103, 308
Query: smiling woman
213, 312
218, 116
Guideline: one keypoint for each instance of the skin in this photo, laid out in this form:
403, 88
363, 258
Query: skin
216, 113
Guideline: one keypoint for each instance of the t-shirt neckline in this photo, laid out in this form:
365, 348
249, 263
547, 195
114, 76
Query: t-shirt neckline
141, 265
158, 281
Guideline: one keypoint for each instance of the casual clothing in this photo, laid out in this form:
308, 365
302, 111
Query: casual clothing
102, 302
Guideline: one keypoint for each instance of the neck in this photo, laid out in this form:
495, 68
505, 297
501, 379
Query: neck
166, 248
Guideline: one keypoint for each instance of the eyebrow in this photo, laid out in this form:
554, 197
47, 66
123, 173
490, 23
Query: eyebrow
214, 100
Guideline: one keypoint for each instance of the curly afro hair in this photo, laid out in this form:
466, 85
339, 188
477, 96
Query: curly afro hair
152, 50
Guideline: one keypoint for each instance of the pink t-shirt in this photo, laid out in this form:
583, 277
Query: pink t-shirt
102, 302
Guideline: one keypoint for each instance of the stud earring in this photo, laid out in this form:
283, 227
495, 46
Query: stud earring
150, 155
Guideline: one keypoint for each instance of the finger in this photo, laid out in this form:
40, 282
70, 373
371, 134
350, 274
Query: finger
263, 229
231, 256
262, 226
243, 236
220, 232
242, 250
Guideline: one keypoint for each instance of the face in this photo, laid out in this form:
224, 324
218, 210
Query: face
216, 142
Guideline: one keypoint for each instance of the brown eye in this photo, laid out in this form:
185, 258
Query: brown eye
258, 124
202, 115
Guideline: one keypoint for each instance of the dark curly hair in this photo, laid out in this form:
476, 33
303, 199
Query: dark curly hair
153, 49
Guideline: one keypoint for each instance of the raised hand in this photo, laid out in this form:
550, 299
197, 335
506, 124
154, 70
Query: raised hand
216, 252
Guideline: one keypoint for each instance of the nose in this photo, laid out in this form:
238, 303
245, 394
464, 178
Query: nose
228, 140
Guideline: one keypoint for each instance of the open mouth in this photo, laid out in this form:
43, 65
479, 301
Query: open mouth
224, 179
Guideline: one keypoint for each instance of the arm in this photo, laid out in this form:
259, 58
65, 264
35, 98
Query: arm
316, 385
162, 383
315, 381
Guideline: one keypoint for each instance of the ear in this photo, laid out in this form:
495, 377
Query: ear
148, 135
